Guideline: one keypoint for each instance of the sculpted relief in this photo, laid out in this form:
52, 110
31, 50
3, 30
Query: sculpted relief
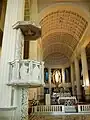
24, 71
27, 72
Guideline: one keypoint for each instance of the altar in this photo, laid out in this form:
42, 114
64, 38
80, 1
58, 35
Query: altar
63, 97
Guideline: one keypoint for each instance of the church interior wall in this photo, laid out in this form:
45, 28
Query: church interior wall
2, 17
35, 53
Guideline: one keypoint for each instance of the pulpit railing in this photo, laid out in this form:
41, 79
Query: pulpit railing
26, 72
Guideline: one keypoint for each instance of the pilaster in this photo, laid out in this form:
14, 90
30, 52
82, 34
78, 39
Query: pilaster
34, 18
34, 11
67, 75
49, 80
72, 78
63, 75
84, 67
85, 74
77, 73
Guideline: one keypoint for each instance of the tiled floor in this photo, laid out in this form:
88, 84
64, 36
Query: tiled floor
60, 117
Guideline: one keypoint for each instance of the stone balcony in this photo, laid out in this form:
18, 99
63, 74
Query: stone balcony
26, 73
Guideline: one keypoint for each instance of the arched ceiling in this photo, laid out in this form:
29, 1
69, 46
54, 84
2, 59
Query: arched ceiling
61, 32
56, 59
57, 48
59, 37
45, 3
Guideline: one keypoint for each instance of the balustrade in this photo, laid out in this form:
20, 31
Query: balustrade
48, 108
61, 109
26, 72
84, 108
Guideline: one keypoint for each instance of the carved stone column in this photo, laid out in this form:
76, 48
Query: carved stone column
19, 49
22, 92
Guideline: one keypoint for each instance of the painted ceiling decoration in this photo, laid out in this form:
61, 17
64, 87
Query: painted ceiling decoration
61, 32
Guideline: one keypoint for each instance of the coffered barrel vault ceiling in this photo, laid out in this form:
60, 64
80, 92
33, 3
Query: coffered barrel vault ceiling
61, 32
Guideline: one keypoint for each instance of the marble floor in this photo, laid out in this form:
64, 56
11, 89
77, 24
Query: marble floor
61, 117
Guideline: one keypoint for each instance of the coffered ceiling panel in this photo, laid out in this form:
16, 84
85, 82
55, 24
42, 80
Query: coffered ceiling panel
61, 32
59, 37
55, 48
64, 21
45, 3
56, 59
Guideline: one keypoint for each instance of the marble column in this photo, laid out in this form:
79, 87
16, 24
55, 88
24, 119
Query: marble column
85, 74
21, 92
63, 75
72, 78
34, 11
84, 67
21, 100
67, 75
77, 74
11, 50
14, 12
34, 19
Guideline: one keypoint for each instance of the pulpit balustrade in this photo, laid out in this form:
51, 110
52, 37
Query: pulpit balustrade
26, 72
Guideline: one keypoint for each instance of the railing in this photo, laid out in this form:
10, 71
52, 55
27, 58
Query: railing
61, 108
48, 108
84, 108
26, 72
